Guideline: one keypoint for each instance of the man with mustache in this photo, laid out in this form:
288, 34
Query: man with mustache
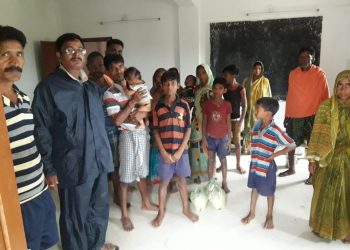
37, 207
69, 125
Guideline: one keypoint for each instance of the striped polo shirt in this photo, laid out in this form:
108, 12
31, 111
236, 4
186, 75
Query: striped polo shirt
172, 123
26, 158
264, 143
115, 99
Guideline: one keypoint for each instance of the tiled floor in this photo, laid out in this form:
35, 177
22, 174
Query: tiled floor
223, 229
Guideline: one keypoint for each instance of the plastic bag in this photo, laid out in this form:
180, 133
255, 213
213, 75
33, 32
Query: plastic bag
216, 195
199, 199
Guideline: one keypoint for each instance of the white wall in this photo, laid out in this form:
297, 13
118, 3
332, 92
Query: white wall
37, 20
168, 42
148, 44
335, 40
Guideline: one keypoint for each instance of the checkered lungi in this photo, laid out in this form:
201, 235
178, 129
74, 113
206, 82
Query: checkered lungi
133, 155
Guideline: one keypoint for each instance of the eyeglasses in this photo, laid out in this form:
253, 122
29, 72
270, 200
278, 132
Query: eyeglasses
70, 51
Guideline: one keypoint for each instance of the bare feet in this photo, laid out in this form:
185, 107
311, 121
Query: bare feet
158, 220
193, 217
149, 207
225, 188
127, 224
248, 218
346, 240
268, 223
240, 170
317, 234
286, 173
109, 246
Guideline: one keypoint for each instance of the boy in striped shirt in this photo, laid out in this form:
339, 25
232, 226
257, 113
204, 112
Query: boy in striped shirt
262, 173
172, 129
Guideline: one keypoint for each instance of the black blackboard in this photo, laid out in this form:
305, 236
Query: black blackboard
274, 42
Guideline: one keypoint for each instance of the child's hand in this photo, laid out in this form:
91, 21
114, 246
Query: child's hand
204, 144
271, 157
312, 167
168, 158
138, 95
228, 145
177, 156
136, 116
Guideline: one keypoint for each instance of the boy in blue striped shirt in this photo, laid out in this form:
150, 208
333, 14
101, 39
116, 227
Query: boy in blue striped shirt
262, 173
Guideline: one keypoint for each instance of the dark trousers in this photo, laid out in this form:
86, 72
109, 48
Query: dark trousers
84, 214
39, 220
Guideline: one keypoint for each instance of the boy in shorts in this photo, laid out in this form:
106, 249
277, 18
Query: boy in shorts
217, 129
262, 173
172, 129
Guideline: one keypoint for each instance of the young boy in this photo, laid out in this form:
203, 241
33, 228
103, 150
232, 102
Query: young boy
262, 173
236, 95
172, 129
217, 129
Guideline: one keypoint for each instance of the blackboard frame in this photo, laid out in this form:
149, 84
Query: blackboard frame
275, 42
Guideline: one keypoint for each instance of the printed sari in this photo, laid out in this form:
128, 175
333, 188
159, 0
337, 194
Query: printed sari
330, 147
198, 156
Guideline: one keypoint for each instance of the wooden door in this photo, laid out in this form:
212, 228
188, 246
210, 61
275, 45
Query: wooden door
11, 225
48, 58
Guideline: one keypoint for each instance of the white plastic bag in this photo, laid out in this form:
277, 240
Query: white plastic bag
199, 199
216, 195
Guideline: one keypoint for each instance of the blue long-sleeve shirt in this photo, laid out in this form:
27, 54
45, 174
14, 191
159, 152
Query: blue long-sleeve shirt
70, 129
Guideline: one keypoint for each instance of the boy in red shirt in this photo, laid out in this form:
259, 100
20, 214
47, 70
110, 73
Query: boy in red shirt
217, 129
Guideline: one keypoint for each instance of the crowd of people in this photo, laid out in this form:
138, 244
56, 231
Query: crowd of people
85, 128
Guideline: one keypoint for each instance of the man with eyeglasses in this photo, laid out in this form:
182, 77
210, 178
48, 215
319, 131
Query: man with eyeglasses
69, 126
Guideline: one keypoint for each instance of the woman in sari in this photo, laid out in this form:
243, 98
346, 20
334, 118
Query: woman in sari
257, 86
329, 160
198, 157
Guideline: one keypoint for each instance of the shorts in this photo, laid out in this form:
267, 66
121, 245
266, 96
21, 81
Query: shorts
236, 132
218, 145
265, 186
180, 168
299, 129
39, 221
113, 134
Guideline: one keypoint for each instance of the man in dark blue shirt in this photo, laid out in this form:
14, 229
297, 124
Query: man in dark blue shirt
69, 127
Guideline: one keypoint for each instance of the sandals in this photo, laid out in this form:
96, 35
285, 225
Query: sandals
308, 181
286, 173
